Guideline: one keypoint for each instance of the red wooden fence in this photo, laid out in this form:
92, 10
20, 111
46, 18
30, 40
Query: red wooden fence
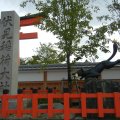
83, 110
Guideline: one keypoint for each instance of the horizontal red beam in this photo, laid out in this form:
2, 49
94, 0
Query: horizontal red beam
28, 35
30, 21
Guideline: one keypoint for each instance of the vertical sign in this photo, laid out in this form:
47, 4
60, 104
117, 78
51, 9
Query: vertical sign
9, 46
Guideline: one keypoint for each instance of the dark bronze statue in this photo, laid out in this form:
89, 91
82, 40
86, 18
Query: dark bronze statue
92, 83
96, 71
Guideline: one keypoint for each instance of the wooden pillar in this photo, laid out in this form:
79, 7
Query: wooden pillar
45, 80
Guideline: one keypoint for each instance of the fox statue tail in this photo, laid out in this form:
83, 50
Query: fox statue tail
115, 47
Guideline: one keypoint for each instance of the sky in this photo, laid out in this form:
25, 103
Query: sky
27, 47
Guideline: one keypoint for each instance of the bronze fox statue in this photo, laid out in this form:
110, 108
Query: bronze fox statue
96, 71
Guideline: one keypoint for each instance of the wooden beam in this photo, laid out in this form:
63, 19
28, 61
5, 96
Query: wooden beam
30, 21
33, 35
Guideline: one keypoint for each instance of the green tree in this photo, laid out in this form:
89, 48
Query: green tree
70, 20
112, 18
45, 54
113, 7
22, 61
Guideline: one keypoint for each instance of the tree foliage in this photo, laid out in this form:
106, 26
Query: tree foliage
113, 18
45, 54
70, 20
22, 61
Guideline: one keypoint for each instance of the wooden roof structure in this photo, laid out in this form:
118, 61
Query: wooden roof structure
29, 20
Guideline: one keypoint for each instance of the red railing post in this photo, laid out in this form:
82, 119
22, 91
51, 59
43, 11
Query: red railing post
100, 104
19, 105
66, 107
4, 105
117, 104
83, 105
50, 105
34, 105
66, 96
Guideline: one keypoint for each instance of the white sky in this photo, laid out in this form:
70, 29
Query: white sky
27, 46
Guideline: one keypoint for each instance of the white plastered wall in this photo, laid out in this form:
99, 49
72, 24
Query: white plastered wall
56, 75
111, 73
30, 76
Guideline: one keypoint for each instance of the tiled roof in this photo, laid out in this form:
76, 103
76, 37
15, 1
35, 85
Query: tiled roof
57, 66
33, 16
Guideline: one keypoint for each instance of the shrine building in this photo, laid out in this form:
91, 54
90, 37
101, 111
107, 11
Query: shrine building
54, 76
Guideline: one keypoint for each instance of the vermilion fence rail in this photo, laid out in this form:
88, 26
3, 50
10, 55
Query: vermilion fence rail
67, 110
